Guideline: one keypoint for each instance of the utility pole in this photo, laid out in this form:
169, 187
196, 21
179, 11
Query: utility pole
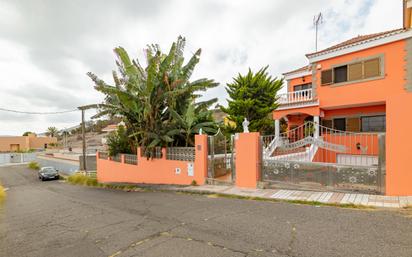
83, 139
317, 20
83, 109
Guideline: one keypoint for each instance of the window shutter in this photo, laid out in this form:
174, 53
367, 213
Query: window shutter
353, 124
372, 68
326, 77
355, 71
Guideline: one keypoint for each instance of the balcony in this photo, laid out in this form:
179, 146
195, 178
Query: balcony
301, 98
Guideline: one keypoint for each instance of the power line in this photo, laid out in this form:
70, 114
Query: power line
38, 113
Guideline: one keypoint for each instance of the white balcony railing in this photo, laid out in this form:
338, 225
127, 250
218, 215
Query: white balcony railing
295, 97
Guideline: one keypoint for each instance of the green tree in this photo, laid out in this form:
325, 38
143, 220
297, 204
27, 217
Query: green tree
118, 142
252, 96
25, 134
192, 120
52, 132
146, 98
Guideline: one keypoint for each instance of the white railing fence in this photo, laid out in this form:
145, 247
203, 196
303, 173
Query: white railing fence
295, 96
315, 143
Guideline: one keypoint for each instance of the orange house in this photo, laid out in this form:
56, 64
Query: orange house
355, 92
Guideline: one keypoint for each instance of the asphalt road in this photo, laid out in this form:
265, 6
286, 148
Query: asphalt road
57, 219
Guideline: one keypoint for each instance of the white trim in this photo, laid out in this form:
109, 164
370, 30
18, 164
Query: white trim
297, 75
297, 106
360, 46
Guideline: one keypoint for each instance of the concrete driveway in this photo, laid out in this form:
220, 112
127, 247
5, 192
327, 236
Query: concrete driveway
56, 219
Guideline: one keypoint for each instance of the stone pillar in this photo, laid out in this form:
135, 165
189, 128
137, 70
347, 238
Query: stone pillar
316, 121
247, 160
277, 128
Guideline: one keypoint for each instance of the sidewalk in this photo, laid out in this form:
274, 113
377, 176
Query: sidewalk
310, 196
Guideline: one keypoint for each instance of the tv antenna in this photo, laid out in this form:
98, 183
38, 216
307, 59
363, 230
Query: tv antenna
317, 20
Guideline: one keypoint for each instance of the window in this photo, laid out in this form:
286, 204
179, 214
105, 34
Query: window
340, 74
339, 124
374, 123
365, 69
327, 123
326, 77
302, 87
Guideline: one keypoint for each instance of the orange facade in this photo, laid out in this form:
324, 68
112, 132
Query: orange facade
384, 95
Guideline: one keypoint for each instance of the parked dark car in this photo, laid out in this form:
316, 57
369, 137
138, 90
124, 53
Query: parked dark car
48, 173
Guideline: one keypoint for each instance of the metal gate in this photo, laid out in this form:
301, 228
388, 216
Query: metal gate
315, 157
221, 157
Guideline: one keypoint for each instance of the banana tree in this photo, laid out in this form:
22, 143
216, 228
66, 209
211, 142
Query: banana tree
148, 98
192, 120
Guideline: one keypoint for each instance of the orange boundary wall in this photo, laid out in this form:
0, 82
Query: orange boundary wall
156, 171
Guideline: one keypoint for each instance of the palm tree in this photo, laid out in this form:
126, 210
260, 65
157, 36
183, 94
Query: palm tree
52, 131
149, 98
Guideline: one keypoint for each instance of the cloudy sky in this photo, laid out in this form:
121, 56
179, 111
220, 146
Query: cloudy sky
47, 46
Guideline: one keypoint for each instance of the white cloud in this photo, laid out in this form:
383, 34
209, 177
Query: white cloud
48, 46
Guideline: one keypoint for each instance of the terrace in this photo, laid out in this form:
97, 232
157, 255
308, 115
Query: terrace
295, 99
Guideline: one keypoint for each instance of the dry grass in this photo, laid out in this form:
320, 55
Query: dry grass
33, 166
80, 179
2, 194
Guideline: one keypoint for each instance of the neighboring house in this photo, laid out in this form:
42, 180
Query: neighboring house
113, 127
24, 143
221, 117
356, 89
110, 128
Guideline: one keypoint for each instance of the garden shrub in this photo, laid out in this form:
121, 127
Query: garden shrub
34, 165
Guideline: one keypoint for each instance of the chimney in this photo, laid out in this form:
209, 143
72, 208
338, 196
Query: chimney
407, 14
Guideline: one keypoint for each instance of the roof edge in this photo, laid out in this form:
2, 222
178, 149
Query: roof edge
367, 43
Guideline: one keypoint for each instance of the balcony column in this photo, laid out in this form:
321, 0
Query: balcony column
277, 128
316, 129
